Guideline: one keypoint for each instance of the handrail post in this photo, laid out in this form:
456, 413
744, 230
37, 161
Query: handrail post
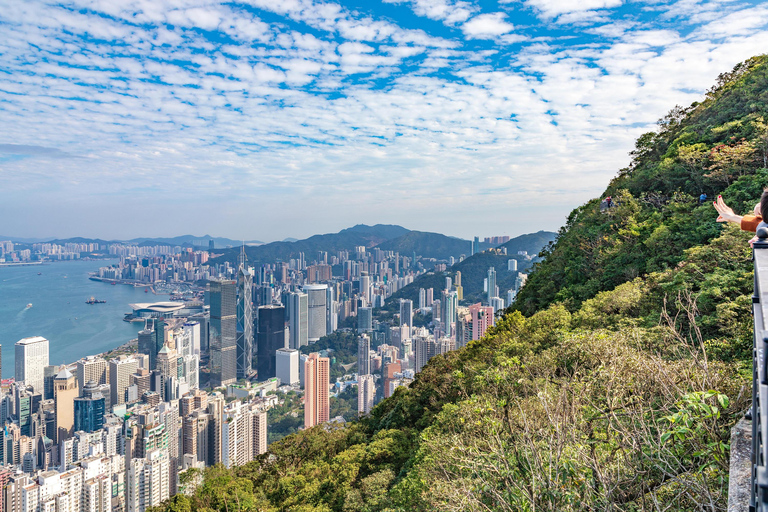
759, 485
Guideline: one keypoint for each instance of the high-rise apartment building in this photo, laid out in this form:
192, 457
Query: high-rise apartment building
64, 394
271, 339
406, 314
91, 369
366, 392
316, 382
297, 308
363, 355
223, 336
120, 371
31, 360
317, 311
244, 325
147, 481
287, 366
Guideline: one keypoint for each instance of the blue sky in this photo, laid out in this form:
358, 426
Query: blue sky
261, 119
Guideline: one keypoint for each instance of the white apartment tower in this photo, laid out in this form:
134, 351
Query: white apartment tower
147, 481
31, 360
366, 392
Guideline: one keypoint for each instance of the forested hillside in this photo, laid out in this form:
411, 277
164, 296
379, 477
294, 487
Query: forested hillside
611, 385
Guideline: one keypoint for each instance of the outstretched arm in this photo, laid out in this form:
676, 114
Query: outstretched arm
725, 212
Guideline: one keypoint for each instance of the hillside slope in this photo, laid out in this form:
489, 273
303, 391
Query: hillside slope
615, 391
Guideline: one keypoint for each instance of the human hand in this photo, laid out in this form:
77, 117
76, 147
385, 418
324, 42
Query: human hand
725, 212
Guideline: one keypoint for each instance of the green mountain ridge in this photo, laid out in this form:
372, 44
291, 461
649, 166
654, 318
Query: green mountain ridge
611, 384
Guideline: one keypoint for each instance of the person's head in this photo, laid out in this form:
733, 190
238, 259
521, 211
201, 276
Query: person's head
763, 203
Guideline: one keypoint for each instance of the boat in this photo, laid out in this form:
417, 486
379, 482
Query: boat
146, 290
29, 305
93, 300
39, 273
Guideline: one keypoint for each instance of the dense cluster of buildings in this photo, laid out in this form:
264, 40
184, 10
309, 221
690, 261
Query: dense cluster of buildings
117, 435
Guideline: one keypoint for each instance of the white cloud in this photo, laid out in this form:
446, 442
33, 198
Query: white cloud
352, 116
554, 8
487, 26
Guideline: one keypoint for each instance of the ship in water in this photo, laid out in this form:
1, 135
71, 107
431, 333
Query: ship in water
29, 305
93, 300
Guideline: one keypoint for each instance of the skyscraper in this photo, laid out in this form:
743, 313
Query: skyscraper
64, 394
298, 318
148, 345
120, 371
366, 392
287, 366
31, 360
317, 311
491, 285
147, 481
363, 355
244, 317
92, 368
316, 404
89, 409
364, 320
271, 339
406, 314
223, 337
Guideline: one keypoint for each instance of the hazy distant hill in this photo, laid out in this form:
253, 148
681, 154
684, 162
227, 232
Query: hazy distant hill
386, 231
474, 270
347, 239
428, 245
198, 241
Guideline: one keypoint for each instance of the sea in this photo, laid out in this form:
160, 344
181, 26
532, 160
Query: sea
59, 312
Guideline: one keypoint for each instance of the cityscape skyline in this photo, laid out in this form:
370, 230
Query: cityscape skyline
345, 110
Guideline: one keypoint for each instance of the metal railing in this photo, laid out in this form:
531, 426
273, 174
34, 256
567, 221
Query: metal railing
759, 499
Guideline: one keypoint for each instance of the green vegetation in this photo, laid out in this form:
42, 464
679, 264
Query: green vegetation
611, 385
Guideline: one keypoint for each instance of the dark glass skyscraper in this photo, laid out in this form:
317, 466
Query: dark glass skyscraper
148, 345
89, 409
244, 318
271, 338
223, 336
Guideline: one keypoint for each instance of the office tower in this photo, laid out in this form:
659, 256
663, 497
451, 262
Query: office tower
147, 481
364, 320
64, 394
89, 409
317, 313
406, 314
331, 311
193, 329
142, 379
363, 355
366, 392
49, 373
148, 346
223, 338
120, 371
491, 285
316, 404
244, 317
167, 373
448, 283
512, 265
271, 338
477, 245
31, 360
457, 286
91, 368
287, 366
298, 315
365, 287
